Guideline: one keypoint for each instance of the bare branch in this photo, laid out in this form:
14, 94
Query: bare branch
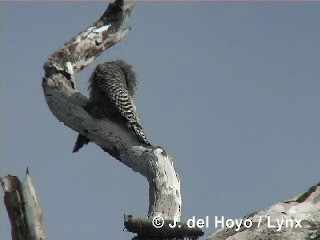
67, 105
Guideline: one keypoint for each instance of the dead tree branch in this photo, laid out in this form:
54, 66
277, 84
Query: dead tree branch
67, 105
297, 218
23, 208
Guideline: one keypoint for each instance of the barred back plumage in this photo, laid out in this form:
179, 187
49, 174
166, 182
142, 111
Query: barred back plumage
112, 88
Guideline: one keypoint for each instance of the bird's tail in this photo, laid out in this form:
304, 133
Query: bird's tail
81, 141
138, 131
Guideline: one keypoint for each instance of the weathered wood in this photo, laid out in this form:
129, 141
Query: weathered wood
300, 218
23, 208
67, 105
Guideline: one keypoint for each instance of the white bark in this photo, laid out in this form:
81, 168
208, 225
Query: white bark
295, 219
66, 103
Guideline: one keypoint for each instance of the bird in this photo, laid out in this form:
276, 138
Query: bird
112, 88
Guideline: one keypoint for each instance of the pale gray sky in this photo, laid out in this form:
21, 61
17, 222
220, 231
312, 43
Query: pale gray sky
230, 90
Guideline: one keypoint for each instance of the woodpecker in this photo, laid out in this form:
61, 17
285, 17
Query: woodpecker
112, 88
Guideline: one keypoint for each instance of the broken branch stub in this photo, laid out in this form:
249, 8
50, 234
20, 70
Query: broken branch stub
23, 208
